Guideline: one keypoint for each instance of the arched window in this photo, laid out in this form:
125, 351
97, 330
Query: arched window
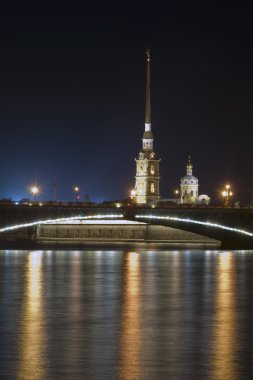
191, 193
152, 187
152, 169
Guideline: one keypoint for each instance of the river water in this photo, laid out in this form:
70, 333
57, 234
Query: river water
119, 314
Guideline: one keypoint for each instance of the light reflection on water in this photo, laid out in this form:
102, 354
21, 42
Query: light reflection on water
126, 315
31, 363
224, 330
130, 331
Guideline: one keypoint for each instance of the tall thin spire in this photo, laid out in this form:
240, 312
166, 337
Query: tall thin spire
148, 104
189, 166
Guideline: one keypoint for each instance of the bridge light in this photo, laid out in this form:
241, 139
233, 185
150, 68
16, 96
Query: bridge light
187, 220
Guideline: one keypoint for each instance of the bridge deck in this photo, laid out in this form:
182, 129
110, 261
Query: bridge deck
235, 218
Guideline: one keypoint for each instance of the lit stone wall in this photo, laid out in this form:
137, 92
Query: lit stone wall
119, 233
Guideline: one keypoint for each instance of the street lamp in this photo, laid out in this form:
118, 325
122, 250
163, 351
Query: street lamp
76, 192
177, 195
133, 194
227, 193
34, 191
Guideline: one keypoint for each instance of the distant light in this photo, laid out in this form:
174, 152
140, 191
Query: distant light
34, 190
133, 193
40, 204
16, 203
118, 205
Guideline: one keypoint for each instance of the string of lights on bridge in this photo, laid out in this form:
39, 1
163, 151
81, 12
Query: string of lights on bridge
119, 216
60, 220
187, 220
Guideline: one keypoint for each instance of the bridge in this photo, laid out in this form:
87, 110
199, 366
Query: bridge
232, 226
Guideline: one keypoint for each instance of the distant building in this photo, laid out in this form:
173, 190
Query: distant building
189, 186
147, 165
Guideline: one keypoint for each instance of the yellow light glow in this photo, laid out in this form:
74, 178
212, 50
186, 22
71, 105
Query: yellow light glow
224, 340
76, 188
32, 339
34, 189
131, 339
133, 193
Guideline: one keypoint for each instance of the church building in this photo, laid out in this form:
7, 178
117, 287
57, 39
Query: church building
147, 164
189, 186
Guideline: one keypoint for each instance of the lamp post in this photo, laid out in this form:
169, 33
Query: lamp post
177, 195
133, 195
227, 194
34, 191
77, 193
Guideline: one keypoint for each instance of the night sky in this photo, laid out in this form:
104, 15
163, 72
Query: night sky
72, 97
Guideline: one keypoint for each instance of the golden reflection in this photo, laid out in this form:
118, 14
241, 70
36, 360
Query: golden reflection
75, 336
130, 334
224, 342
32, 339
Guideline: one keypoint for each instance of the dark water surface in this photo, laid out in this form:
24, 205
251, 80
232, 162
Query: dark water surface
126, 315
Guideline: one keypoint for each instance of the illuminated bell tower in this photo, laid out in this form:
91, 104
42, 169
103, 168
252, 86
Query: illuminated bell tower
189, 186
147, 165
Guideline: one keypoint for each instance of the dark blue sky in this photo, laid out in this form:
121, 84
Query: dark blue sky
72, 96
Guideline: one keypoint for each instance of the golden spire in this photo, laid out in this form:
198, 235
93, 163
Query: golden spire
148, 104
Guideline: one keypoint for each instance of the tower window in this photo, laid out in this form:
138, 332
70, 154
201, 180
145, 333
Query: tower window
152, 187
152, 169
